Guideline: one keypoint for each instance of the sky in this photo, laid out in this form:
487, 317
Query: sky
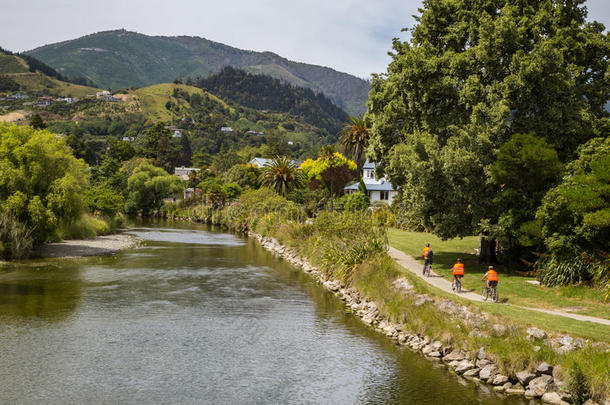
352, 36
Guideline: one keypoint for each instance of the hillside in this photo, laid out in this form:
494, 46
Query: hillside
16, 75
266, 93
120, 59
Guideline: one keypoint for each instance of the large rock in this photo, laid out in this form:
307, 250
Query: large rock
472, 372
455, 355
515, 391
525, 377
402, 284
544, 368
500, 380
541, 385
566, 340
535, 333
487, 372
498, 329
481, 353
552, 398
464, 366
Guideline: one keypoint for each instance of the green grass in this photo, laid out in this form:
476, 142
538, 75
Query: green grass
39, 83
11, 64
512, 288
153, 99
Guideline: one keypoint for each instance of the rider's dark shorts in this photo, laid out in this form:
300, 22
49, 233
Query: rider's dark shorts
493, 283
427, 261
458, 275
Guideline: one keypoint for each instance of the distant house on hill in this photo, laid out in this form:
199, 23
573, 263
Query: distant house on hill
129, 138
102, 94
45, 101
255, 133
68, 100
226, 129
177, 133
113, 99
184, 172
261, 162
378, 189
191, 192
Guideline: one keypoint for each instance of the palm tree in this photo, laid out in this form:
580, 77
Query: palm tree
355, 139
281, 175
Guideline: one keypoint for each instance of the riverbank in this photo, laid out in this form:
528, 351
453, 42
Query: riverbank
350, 253
544, 381
98, 246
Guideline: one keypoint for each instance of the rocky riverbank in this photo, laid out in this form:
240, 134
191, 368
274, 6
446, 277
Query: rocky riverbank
99, 246
542, 381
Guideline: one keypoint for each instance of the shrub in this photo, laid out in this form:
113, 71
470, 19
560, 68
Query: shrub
578, 385
85, 227
16, 239
356, 202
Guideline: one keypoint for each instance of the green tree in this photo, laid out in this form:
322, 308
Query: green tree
42, 183
575, 215
357, 201
355, 139
332, 171
472, 75
104, 200
245, 175
281, 175
525, 167
147, 186
37, 123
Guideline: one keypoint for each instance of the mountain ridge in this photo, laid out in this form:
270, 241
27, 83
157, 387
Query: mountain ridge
121, 58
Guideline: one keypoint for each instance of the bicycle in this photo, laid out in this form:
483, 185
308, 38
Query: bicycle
457, 287
488, 292
426, 270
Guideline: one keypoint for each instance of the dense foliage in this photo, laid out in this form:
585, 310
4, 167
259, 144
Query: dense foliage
42, 183
472, 76
267, 93
147, 186
332, 171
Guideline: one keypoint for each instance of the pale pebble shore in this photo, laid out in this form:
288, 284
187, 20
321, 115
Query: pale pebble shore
99, 246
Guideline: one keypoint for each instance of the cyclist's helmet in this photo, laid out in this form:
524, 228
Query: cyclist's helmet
459, 260
490, 267
427, 245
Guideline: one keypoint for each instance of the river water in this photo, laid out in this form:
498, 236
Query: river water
198, 316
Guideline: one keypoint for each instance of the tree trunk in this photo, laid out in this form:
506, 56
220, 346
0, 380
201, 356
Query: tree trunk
487, 251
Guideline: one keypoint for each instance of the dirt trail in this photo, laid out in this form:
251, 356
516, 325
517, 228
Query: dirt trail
415, 267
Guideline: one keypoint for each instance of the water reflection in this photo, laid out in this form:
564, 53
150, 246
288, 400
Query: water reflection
198, 316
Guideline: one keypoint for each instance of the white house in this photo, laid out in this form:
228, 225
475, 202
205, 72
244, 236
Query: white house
226, 129
177, 133
184, 172
260, 162
378, 189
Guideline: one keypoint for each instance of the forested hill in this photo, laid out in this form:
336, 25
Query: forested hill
266, 93
120, 59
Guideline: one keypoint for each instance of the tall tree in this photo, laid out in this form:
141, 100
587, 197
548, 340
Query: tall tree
332, 171
355, 139
472, 75
281, 175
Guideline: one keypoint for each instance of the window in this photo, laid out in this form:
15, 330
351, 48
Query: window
383, 195
370, 174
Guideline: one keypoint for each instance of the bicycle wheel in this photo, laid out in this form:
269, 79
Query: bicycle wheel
458, 285
484, 293
423, 272
495, 294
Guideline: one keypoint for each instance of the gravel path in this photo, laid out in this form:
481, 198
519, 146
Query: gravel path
415, 267
99, 246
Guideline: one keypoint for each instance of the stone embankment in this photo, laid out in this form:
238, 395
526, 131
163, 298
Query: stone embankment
543, 382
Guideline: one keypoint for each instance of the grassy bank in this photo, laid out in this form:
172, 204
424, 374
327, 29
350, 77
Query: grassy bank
352, 248
513, 286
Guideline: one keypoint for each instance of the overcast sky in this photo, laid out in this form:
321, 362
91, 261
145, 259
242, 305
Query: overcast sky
352, 36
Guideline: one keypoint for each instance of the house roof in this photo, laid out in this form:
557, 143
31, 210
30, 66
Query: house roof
368, 165
383, 186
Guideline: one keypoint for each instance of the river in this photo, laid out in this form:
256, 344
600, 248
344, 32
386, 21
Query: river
199, 316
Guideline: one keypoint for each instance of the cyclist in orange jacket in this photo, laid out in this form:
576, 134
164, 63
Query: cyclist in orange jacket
491, 276
458, 271
428, 254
